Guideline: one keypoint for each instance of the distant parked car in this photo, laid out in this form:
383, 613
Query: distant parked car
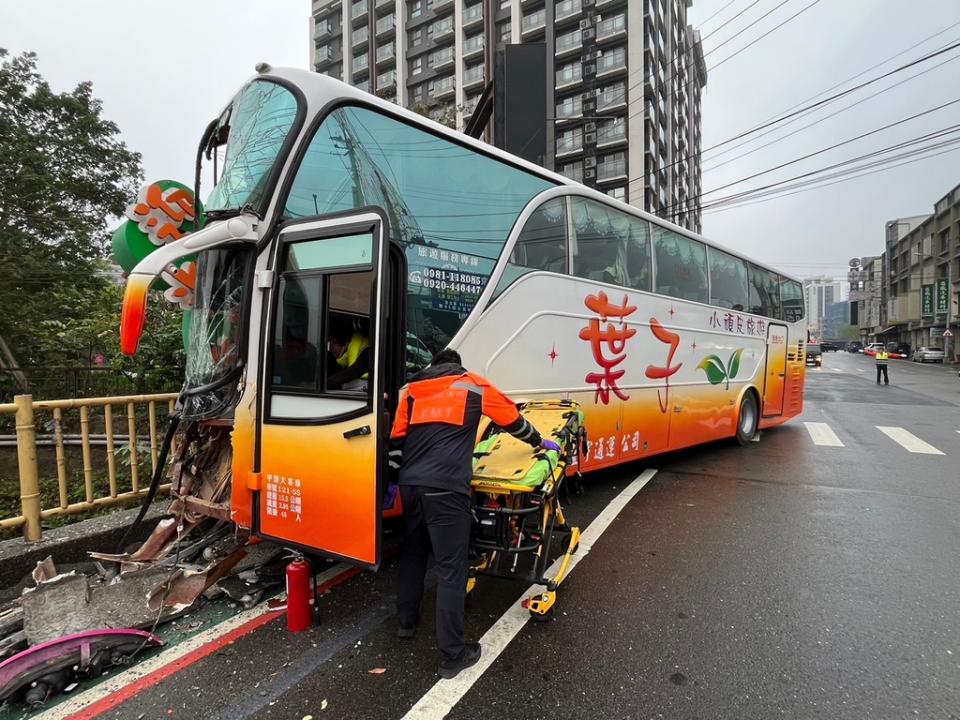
872, 348
928, 354
898, 349
814, 354
855, 347
828, 347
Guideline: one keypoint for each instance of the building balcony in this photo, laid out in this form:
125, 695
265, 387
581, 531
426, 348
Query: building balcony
615, 65
533, 23
473, 76
360, 64
608, 138
568, 112
472, 15
612, 29
442, 32
610, 3
567, 10
567, 80
442, 59
473, 46
386, 54
568, 44
443, 88
323, 30
385, 26
565, 150
359, 9
360, 36
380, 4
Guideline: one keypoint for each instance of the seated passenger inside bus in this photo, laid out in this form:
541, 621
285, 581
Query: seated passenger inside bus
349, 345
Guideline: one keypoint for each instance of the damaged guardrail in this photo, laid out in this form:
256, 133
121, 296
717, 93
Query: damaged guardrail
89, 411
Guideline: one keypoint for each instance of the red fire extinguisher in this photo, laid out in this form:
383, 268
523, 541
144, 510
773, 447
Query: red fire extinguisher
299, 612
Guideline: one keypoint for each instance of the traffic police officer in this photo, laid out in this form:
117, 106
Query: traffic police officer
882, 357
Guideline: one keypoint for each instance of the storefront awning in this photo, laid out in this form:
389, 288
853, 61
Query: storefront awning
886, 330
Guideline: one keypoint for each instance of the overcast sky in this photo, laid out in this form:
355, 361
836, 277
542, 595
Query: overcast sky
163, 70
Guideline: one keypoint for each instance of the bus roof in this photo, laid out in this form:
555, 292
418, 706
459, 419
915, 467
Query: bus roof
320, 91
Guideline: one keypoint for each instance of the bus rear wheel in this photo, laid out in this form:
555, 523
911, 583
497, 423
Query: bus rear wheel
747, 419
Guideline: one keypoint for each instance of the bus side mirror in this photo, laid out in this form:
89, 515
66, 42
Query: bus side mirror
133, 314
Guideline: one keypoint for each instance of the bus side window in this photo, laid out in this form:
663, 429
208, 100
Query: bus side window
681, 265
764, 292
542, 244
728, 280
791, 297
612, 246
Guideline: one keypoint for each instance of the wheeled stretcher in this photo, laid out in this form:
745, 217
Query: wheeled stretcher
519, 529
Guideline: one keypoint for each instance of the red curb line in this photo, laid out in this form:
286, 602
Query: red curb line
95, 709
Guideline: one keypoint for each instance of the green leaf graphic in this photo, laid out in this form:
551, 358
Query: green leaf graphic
713, 367
734, 365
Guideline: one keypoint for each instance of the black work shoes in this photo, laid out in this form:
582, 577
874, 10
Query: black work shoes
405, 631
469, 657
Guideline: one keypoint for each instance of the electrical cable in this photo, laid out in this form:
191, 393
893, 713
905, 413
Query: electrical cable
826, 117
825, 149
898, 146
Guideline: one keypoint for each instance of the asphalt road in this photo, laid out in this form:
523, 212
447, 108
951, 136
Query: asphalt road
812, 574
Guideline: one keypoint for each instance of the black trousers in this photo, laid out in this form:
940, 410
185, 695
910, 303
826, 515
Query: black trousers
436, 520
882, 369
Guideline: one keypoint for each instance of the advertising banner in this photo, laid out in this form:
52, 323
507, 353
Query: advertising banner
943, 295
926, 300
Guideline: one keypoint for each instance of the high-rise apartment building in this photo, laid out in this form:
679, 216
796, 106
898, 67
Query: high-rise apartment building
821, 293
624, 79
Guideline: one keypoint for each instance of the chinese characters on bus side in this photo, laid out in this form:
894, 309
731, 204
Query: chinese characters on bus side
284, 499
608, 343
735, 322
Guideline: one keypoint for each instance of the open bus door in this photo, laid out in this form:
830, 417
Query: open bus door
322, 453
776, 370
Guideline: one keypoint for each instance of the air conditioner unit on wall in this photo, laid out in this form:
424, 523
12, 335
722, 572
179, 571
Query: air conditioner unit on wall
589, 69
589, 174
587, 34
590, 127
589, 162
585, 24
590, 137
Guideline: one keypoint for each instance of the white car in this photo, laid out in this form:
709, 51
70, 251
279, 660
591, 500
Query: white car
873, 347
928, 354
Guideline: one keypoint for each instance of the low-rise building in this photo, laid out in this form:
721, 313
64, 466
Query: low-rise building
923, 277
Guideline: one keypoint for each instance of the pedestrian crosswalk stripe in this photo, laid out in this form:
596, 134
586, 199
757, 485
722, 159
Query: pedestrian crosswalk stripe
822, 434
908, 440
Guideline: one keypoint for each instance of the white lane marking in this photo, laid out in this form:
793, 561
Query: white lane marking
823, 434
171, 655
908, 440
837, 370
441, 698
860, 370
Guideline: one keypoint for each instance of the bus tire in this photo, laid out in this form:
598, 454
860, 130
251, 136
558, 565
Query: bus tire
747, 419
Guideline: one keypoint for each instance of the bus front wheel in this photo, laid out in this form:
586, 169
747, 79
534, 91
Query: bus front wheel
747, 419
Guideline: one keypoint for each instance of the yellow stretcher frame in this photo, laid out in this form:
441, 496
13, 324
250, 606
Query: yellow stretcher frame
516, 503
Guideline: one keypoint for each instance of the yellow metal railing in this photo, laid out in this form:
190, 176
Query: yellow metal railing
89, 411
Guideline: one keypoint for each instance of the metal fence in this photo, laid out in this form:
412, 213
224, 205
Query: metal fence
83, 414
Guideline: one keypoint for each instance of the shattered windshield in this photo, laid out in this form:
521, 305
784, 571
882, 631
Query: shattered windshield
216, 332
255, 125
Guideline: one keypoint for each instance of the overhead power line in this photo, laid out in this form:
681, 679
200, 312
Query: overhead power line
829, 148
825, 117
834, 182
816, 104
891, 148
790, 183
855, 76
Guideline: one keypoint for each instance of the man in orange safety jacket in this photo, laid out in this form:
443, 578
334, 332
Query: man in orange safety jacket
432, 444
